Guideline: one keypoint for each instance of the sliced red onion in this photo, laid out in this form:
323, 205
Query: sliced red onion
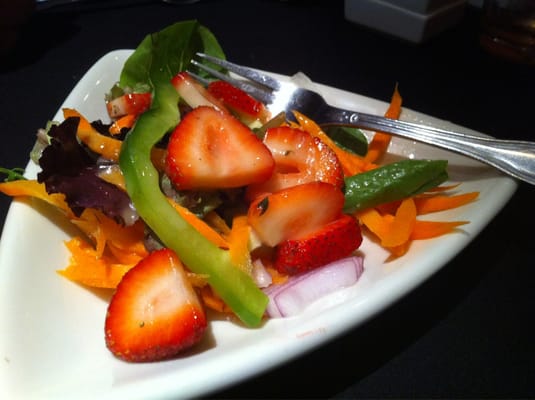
300, 290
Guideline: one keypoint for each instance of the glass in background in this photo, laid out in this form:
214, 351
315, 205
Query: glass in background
508, 29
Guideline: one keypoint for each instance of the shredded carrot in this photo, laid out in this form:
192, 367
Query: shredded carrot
213, 301
392, 230
396, 226
202, 227
218, 223
431, 229
432, 201
429, 204
402, 225
126, 256
113, 174
89, 224
115, 250
277, 277
376, 223
197, 280
90, 269
351, 163
32, 188
239, 244
400, 250
126, 121
106, 146
105, 231
380, 141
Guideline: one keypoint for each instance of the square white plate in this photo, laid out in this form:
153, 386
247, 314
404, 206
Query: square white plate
52, 336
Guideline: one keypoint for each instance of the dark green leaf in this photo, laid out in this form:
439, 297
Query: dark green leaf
348, 138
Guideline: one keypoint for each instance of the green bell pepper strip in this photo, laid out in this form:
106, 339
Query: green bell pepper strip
235, 287
392, 182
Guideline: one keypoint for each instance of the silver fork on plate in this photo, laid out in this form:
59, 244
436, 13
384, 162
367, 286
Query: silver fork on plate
513, 157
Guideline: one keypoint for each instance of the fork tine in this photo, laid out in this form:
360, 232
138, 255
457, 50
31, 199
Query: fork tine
199, 78
248, 73
263, 95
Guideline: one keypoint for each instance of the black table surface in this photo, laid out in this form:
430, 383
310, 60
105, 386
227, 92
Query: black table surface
468, 330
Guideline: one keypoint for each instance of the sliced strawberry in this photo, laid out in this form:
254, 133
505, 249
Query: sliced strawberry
294, 212
210, 149
336, 240
155, 312
129, 104
193, 93
239, 102
299, 158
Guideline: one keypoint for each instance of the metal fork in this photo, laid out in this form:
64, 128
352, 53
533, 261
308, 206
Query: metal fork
513, 157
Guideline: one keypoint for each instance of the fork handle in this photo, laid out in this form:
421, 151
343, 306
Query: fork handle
514, 157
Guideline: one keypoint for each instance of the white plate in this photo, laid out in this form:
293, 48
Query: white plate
51, 336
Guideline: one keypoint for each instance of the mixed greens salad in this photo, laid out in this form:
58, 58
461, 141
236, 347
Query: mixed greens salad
194, 197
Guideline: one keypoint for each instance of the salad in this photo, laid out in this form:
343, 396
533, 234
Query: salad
194, 197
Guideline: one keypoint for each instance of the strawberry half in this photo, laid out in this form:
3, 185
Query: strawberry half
299, 158
129, 104
294, 212
210, 149
333, 241
155, 312
247, 108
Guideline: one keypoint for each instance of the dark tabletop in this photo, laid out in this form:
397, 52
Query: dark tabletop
468, 331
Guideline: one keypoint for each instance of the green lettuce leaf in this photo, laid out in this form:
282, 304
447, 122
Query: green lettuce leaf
168, 51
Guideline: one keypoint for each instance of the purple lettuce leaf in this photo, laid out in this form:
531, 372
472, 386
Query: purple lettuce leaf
69, 167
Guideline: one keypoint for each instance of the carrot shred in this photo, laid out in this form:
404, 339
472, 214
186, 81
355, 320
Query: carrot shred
376, 223
126, 121
278, 278
90, 269
392, 230
108, 147
351, 163
113, 175
429, 204
115, 250
201, 226
400, 250
126, 255
431, 229
32, 188
403, 223
104, 231
213, 301
217, 223
380, 141
197, 280
239, 244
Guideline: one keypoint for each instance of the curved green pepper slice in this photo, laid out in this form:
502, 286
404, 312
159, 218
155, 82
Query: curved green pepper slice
151, 62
